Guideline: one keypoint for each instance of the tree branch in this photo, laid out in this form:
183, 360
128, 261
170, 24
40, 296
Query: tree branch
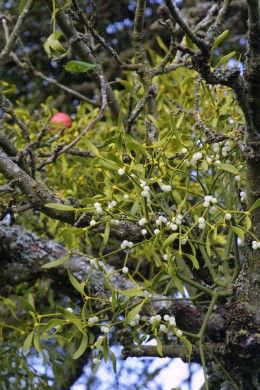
19, 24
23, 254
84, 53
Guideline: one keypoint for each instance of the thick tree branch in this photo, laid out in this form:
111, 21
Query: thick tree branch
23, 254
171, 351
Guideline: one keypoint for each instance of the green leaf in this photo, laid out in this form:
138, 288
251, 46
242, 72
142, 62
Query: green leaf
22, 5
208, 250
28, 306
178, 284
36, 341
225, 58
113, 359
159, 346
78, 66
114, 301
135, 292
238, 231
169, 240
193, 259
255, 205
56, 263
76, 284
91, 147
106, 233
220, 39
111, 165
28, 341
189, 42
82, 347
53, 45
157, 278
162, 45
187, 344
228, 168
59, 207
52, 323
128, 86
131, 315
105, 350
71, 317
179, 121
248, 223
31, 301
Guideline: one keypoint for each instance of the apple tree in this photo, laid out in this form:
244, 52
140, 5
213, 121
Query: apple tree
136, 223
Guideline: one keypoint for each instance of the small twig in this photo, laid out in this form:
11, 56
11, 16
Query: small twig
135, 113
6, 107
61, 149
211, 135
19, 24
176, 15
109, 48
64, 87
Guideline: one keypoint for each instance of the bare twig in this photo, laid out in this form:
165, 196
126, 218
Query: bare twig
66, 148
18, 26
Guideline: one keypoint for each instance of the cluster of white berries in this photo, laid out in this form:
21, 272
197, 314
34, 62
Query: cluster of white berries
135, 321
127, 244
172, 226
226, 148
227, 216
121, 171
145, 193
156, 318
104, 329
255, 245
170, 319
163, 328
165, 187
176, 221
242, 196
114, 221
111, 204
92, 320
202, 223
215, 147
196, 157
98, 208
161, 219
125, 270
208, 200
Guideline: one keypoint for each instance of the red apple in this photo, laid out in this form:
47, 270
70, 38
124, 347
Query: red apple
62, 118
